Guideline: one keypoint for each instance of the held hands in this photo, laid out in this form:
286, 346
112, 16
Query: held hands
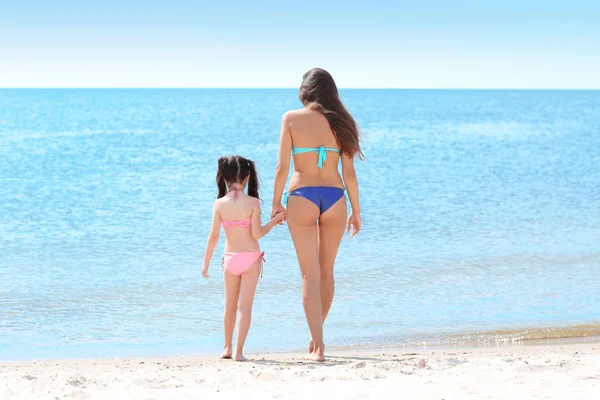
278, 209
279, 217
354, 223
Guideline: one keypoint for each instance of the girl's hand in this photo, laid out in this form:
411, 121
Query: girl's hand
354, 223
205, 271
278, 208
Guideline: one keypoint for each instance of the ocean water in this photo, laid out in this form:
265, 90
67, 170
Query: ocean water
481, 213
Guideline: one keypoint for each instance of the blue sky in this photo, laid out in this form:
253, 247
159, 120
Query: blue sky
389, 44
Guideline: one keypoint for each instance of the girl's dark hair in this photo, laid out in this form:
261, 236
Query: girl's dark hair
235, 169
319, 92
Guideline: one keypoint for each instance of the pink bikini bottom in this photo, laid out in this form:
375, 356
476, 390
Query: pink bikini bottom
240, 263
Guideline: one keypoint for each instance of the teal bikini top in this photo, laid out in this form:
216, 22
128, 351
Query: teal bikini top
322, 151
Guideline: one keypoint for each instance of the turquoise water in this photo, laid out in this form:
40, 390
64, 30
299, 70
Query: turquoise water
481, 212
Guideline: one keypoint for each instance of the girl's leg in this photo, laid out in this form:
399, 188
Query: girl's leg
232, 292
246, 299
302, 217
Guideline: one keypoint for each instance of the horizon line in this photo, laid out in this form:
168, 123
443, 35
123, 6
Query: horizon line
286, 88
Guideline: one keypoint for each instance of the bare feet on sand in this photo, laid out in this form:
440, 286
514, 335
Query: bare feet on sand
226, 355
315, 356
239, 357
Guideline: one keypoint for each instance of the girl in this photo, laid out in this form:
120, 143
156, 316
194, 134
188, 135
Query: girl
239, 213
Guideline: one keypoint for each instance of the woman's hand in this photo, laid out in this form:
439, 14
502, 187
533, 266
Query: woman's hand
354, 223
278, 208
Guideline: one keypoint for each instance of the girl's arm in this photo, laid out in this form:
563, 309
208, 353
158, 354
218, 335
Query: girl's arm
351, 183
283, 164
213, 239
259, 231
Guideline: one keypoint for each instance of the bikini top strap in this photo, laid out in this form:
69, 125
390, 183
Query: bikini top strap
243, 223
235, 191
321, 151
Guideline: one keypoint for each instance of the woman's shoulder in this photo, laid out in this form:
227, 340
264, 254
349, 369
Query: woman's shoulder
299, 116
295, 111
298, 113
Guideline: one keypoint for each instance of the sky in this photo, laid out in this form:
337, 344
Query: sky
270, 44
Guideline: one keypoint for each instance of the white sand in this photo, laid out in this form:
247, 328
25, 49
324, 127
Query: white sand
569, 371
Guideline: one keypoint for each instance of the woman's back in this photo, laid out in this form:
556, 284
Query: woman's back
315, 150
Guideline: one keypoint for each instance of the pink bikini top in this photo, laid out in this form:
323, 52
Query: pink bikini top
242, 223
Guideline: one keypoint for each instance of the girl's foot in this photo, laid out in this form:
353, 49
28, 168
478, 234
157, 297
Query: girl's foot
239, 357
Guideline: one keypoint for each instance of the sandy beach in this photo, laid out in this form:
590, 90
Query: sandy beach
563, 371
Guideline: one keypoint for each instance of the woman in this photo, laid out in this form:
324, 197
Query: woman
318, 136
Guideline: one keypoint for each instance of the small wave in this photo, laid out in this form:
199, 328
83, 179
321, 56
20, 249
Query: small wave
522, 335
510, 337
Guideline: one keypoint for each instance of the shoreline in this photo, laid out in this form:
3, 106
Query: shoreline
469, 346
550, 371
506, 338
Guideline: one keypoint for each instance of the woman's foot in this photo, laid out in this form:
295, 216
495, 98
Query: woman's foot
239, 357
226, 355
315, 356
318, 354
311, 346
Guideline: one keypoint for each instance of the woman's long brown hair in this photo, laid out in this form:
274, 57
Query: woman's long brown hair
319, 92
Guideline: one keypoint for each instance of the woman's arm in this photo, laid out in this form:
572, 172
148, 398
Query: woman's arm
283, 163
351, 183
259, 231
213, 239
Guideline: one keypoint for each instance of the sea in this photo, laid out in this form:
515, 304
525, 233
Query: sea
481, 221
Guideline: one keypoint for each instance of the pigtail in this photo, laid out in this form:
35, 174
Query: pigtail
221, 177
253, 184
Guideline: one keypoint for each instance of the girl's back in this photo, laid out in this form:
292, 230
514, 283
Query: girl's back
237, 217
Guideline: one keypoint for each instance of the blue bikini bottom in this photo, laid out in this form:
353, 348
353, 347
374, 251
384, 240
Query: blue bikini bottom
323, 196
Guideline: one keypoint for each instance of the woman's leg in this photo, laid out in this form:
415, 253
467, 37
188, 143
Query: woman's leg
232, 292
246, 299
302, 215
332, 224
331, 230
